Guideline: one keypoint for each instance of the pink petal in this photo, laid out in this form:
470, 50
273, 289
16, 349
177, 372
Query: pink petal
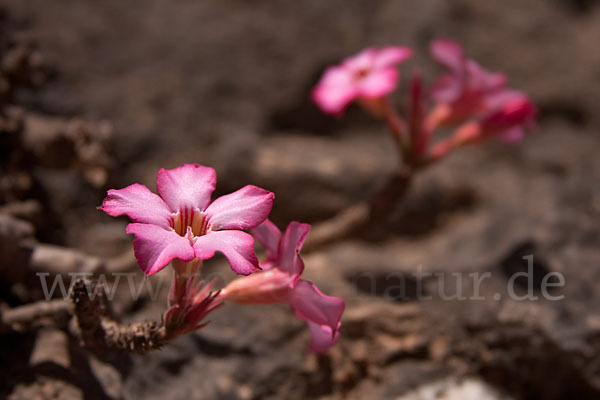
293, 239
187, 186
236, 246
448, 53
309, 304
483, 80
262, 287
337, 76
378, 83
447, 88
335, 90
322, 337
242, 209
333, 100
268, 235
514, 112
498, 99
139, 203
155, 247
391, 55
361, 61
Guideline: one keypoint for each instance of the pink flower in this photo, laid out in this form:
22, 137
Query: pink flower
511, 112
466, 85
371, 74
179, 223
280, 282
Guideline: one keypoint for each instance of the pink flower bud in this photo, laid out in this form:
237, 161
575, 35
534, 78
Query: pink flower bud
279, 283
514, 112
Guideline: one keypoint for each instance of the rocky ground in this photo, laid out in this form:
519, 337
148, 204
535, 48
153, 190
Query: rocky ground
125, 88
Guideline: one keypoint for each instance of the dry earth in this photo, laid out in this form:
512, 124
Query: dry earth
226, 83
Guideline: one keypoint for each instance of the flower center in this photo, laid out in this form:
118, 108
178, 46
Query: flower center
195, 219
361, 73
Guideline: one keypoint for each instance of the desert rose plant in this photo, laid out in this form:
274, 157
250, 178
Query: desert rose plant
181, 226
471, 103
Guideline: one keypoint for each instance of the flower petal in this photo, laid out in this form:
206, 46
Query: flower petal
360, 61
378, 83
448, 53
495, 101
391, 55
155, 247
139, 203
515, 111
335, 90
236, 246
322, 337
289, 259
269, 236
262, 287
242, 209
309, 304
447, 88
483, 80
187, 186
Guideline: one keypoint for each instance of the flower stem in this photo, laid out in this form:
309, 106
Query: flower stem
398, 127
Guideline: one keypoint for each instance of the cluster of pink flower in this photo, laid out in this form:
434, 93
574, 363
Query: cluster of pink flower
466, 95
181, 226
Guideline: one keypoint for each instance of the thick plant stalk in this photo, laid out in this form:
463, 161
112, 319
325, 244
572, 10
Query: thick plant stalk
371, 215
386, 199
100, 333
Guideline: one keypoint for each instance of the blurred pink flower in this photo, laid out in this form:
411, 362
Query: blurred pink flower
371, 74
510, 113
280, 282
465, 87
179, 223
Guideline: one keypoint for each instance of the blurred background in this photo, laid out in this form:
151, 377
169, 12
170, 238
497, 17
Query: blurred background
111, 91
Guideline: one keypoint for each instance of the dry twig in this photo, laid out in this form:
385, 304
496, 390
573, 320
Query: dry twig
100, 333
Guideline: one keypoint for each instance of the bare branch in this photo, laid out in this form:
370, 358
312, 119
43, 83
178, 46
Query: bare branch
100, 333
34, 315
